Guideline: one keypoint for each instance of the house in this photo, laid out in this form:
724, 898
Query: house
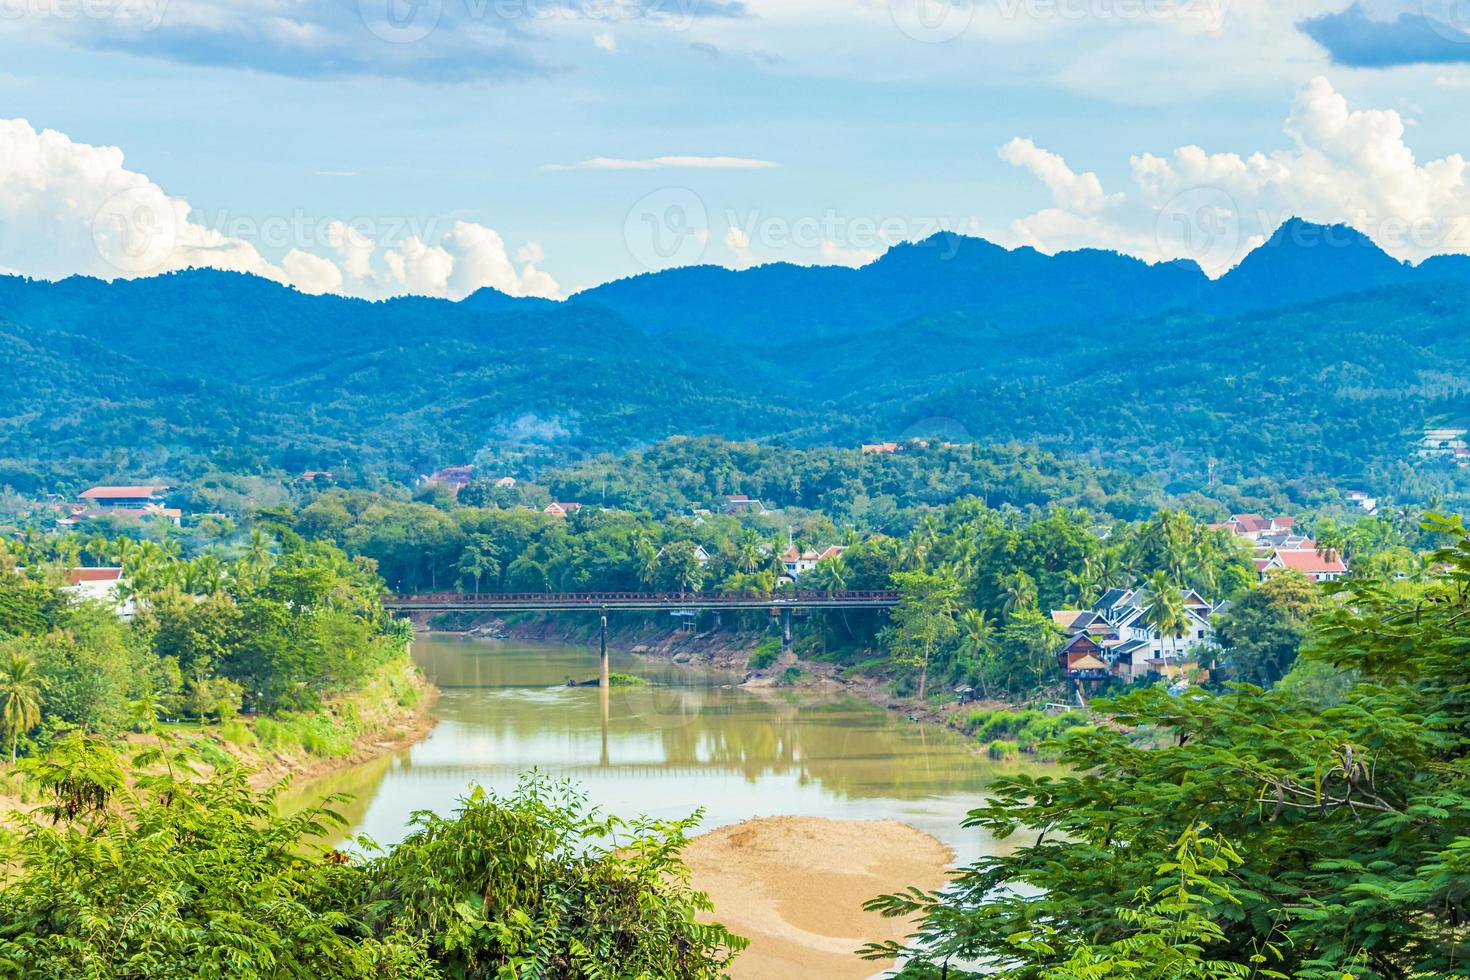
700, 555
739, 503
881, 448
505, 483
312, 476
1440, 442
103, 585
1317, 565
148, 512
455, 478
1253, 526
132, 497
1082, 659
1127, 641
1360, 498
796, 562
561, 509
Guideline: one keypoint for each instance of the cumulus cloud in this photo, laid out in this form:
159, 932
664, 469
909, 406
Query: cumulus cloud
605, 42
1344, 165
667, 163
70, 208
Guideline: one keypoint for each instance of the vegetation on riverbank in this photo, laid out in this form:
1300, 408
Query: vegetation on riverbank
278, 653
178, 875
1244, 832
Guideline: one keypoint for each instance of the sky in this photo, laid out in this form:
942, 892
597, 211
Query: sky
382, 147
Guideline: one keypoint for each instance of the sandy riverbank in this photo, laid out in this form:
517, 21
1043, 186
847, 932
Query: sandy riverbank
795, 887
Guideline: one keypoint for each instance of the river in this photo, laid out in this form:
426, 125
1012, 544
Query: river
687, 739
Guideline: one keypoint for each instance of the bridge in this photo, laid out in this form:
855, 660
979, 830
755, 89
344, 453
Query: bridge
512, 602
604, 602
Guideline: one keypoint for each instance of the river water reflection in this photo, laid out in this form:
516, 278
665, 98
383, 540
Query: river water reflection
687, 739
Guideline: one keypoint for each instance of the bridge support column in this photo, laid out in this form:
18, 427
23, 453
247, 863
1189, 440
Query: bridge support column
786, 631
602, 680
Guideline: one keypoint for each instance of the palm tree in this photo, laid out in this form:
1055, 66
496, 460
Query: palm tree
976, 638
20, 698
1166, 610
1020, 592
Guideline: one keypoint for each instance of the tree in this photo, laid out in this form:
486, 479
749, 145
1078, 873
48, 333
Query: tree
1344, 828
923, 618
1262, 632
479, 558
20, 697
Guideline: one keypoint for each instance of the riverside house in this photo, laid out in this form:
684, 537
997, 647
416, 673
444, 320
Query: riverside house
1117, 637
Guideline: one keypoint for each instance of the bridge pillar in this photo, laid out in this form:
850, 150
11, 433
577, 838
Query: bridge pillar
786, 631
602, 681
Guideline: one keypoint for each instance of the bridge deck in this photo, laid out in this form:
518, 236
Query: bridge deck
642, 601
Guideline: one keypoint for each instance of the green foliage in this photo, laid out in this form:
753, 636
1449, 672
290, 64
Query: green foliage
765, 653
1262, 633
1337, 828
183, 876
540, 884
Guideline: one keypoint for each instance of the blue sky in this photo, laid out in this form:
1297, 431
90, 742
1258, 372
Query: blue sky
542, 146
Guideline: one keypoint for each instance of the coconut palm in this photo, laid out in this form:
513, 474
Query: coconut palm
20, 697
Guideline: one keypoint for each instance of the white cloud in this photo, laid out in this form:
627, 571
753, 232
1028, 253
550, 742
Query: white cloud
835, 254
1344, 165
666, 163
738, 244
605, 42
70, 208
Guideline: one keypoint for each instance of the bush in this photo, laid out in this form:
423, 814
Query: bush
1001, 750
765, 654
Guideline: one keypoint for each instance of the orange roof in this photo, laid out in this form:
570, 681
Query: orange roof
116, 493
78, 575
1310, 561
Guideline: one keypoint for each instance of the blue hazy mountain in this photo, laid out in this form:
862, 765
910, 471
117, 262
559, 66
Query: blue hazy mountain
1316, 357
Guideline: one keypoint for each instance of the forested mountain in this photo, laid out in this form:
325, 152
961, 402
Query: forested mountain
1315, 362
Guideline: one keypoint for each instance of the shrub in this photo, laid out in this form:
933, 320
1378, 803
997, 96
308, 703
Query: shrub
1002, 750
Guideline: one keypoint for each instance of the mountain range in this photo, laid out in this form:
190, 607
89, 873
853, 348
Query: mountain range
1314, 359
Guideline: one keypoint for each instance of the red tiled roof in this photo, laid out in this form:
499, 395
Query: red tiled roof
1250, 522
1310, 561
78, 575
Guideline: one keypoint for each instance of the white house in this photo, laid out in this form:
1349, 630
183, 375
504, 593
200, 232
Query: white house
1130, 644
99, 585
1315, 565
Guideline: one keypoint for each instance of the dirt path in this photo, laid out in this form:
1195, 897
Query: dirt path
795, 887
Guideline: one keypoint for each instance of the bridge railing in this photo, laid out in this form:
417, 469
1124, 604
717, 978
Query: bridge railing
573, 599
